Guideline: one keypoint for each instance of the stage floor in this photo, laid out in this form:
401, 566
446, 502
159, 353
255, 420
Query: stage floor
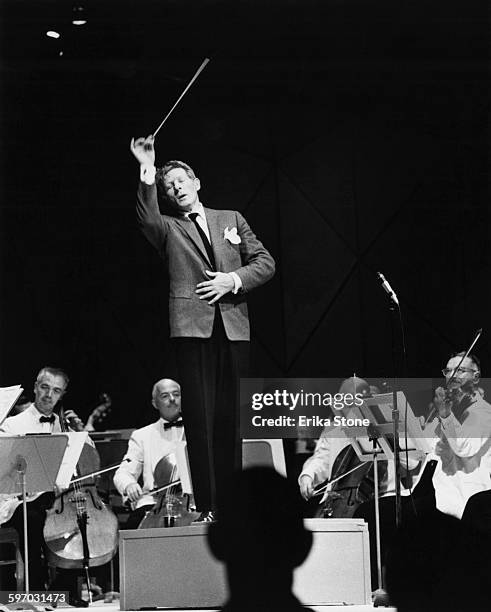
114, 607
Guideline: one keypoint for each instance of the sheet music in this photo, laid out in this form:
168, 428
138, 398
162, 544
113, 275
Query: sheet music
379, 410
76, 441
8, 397
183, 467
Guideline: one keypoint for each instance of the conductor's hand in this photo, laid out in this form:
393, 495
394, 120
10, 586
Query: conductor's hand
142, 149
306, 486
133, 491
212, 290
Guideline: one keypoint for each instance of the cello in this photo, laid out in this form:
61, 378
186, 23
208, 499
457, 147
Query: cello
173, 508
80, 531
352, 481
353, 485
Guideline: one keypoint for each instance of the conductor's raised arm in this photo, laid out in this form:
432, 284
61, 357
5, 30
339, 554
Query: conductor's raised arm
143, 149
147, 207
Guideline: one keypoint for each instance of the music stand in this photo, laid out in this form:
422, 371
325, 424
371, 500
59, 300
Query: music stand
30, 464
382, 411
360, 438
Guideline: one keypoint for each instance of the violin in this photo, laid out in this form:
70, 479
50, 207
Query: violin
173, 508
81, 531
456, 399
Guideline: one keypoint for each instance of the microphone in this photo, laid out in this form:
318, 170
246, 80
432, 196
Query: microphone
387, 288
20, 464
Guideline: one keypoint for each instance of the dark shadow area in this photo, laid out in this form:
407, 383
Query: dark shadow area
439, 563
261, 538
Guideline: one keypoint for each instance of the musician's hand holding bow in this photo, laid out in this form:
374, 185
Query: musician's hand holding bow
59, 489
441, 403
133, 491
306, 486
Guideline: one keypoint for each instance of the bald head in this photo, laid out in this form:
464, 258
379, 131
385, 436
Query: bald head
166, 398
355, 385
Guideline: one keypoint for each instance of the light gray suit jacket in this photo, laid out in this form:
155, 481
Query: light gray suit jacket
179, 244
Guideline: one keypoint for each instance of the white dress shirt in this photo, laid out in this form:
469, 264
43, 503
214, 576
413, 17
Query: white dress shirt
463, 452
28, 422
329, 445
146, 447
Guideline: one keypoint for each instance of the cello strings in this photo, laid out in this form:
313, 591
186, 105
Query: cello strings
331, 482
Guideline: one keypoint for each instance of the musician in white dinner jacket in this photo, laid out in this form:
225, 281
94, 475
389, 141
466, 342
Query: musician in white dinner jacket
49, 388
147, 446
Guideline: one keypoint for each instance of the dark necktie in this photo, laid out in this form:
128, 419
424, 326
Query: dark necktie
204, 239
178, 423
47, 419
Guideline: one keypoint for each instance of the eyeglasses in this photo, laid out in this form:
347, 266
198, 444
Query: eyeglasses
448, 371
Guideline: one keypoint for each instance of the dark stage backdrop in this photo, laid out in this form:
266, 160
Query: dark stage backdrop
352, 135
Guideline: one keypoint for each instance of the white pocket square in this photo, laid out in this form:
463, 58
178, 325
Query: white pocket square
231, 235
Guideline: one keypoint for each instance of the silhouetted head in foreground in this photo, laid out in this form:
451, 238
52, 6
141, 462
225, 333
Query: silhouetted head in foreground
261, 538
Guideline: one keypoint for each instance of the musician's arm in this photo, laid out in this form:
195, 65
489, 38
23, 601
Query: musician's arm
467, 438
130, 470
318, 467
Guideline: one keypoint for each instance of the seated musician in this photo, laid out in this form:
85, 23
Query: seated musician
39, 417
146, 447
319, 468
462, 478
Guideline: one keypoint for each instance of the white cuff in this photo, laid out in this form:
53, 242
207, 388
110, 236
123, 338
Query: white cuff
147, 174
237, 283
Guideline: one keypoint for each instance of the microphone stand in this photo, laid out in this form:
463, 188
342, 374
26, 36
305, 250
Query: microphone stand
393, 302
380, 595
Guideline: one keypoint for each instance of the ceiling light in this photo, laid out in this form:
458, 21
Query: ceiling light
52, 34
78, 16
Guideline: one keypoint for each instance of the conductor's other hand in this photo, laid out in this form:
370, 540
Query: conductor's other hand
142, 149
212, 290
306, 486
133, 491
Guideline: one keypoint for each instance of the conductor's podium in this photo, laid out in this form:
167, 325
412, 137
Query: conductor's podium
173, 568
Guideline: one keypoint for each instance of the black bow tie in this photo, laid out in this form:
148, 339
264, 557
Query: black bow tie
45, 419
177, 423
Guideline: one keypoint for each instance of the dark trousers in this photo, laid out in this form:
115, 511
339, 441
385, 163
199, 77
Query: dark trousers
36, 516
387, 514
209, 371
422, 505
136, 517
65, 580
